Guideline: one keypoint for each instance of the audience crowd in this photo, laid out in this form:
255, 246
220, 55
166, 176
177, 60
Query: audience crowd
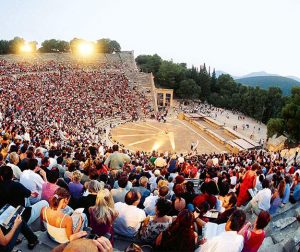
85, 194
64, 102
149, 197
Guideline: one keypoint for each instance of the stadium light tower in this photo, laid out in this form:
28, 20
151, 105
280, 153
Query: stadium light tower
26, 48
86, 48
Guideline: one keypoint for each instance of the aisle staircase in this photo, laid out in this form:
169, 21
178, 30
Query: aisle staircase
282, 236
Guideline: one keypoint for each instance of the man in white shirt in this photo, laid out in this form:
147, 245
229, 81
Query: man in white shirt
101, 150
181, 159
130, 217
150, 201
33, 181
14, 160
229, 241
152, 180
27, 136
160, 162
261, 201
52, 160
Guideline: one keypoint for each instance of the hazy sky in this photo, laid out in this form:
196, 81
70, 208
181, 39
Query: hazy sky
236, 36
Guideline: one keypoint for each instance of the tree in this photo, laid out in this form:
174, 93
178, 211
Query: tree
114, 46
149, 63
15, 44
74, 43
53, 45
274, 104
170, 75
275, 126
4, 46
204, 83
291, 114
188, 89
106, 45
33, 45
213, 82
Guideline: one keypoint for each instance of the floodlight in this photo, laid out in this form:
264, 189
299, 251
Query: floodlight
155, 146
85, 48
26, 48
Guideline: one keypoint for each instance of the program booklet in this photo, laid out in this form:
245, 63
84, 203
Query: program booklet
211, 214
8, 214
213, 229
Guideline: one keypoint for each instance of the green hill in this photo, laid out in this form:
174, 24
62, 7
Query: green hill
285, 84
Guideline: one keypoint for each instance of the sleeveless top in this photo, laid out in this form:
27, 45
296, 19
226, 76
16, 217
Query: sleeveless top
254, 242
57, 234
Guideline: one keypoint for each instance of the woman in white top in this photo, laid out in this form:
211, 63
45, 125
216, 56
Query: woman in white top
60, 226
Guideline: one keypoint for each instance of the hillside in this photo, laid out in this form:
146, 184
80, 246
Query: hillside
265, 82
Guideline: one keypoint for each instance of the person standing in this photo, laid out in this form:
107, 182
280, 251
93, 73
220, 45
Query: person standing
116, 160
249, 182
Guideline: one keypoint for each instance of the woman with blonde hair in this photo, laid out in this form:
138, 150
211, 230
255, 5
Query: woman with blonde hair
75, 187
103, 214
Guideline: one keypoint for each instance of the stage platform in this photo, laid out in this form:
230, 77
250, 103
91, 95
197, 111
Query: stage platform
173, 136
176, 135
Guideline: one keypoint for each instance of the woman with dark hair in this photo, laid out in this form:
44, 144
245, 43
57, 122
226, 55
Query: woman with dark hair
180, 236
224, 187
277, 197
189, 194
249, 182
60, 226
209, 190
254, 238
153, 225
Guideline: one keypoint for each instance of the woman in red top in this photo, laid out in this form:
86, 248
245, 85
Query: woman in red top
249, 181
254, 238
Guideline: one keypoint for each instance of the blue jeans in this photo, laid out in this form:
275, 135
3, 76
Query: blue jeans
36, 210
25, 230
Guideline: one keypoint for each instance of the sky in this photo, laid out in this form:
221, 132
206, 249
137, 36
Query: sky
235, 36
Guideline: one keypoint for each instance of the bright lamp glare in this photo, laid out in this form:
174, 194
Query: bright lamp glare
26, 48
155, 146
85, 48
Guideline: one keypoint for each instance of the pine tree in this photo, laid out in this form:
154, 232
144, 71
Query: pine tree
213, 83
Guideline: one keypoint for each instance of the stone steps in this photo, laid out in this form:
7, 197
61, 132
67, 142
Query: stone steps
287, 237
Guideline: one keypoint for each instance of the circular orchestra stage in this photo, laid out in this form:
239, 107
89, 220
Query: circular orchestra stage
173, 136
